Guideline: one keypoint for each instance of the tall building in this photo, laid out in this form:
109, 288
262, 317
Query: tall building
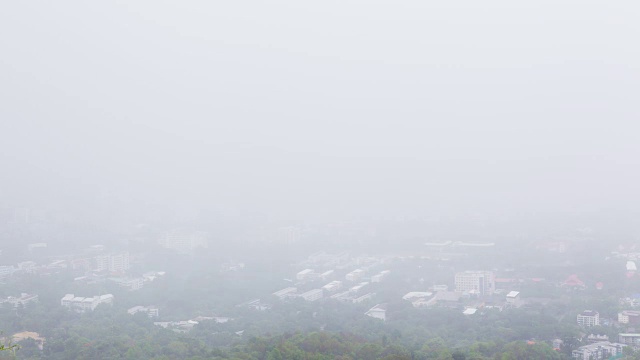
589, 318
479, 282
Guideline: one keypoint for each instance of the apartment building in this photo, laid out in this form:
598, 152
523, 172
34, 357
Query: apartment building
113, 262
629, 317
82, 304
598, 351
475, 282
588, 318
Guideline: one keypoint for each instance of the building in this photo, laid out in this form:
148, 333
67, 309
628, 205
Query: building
112, 262
130, 284
589, 318
183, 242
342, 296
363, 298
475, 282
380, 276
629, 317
23, 300
598, 351
436, 288
378, 312
285, 293
326, 275
312, 295
469, 311
305, 274
289, 235
355, 275
632, 339
513, 299
332, 286
356, 289
81, 304
151, 311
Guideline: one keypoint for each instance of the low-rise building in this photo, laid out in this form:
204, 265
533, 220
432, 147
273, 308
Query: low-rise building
81, 304
23, 300
357, 288
312, 295
327, 274
332, 286
305, 274
588, 318
380, 276
378, 312
355, 275
130, 284
151, 311
513, 299
363, 298
285, 293
598, 351
632, 339
629, 317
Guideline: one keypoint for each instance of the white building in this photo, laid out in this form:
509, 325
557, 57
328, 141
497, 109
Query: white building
380, 276
513, 299
326, 275
305, 274
589, 318
28, 267
183, 242
362, 298
151, 311
629, 317
355, 275
113, 262
333, 286
356, 289
130, 284
479, 282
312, 295
81, 304
378, 312
285, 293
23, 300
598, 351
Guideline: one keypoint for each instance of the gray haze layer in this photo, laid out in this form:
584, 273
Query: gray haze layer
323, 110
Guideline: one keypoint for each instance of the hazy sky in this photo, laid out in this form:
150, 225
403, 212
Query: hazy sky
323, 108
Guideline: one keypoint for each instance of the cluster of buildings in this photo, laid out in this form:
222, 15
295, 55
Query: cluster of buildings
84, 304
22, 300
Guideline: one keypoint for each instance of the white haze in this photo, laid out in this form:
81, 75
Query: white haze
320, 110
